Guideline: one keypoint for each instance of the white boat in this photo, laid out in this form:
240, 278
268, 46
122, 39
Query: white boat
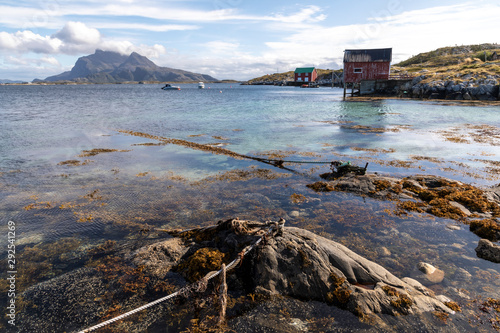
201, 85
170, 87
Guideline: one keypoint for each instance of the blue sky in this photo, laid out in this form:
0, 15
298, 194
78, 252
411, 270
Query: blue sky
232, 39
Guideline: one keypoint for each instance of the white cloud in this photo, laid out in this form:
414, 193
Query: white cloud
50, 61
305, 15
74, 38
27, 41
126, 47
28, 18
42, 62
78, 33
52, 16
408, 33
221, 47
148, 27
303, 37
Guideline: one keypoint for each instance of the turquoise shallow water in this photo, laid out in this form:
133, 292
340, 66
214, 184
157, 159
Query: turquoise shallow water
46, 124
146, 186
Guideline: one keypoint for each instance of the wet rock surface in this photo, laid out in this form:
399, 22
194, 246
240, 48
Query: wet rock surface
312, 273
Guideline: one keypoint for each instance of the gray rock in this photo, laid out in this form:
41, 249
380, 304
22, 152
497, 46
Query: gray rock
462, 275
417, 79
416, 91
159, 258
486, 89
488, 250
112, 67
304, 265
461, 207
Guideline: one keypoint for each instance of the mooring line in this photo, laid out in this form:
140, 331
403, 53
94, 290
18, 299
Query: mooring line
217, 150
277, 226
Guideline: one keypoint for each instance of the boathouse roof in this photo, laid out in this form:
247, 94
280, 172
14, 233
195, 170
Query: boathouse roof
368, 55
300, 70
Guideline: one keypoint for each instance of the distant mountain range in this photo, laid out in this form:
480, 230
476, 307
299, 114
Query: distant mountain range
10, 81
112, 67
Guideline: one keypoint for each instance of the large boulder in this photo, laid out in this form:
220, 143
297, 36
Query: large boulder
304, 265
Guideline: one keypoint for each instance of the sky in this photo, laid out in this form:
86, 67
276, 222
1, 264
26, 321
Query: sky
232, 39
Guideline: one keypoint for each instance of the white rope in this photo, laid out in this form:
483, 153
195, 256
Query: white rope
208, 277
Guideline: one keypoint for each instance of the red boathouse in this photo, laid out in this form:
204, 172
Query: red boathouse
366, 64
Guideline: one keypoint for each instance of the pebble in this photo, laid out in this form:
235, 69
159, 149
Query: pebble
443, 298
32, 239
384, 252
432, 274
461, 207
294, 214
298, 324
463, 256
453, 227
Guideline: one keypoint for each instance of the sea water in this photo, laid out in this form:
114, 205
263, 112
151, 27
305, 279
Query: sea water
141, 183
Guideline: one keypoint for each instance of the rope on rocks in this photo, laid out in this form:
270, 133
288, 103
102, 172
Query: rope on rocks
276, 226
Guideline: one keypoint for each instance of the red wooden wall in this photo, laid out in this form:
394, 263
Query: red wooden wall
369, 71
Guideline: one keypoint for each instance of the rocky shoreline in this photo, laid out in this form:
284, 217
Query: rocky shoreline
291, 263
465, 87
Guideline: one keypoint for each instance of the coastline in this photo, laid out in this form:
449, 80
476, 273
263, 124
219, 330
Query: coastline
437, 101
107, 83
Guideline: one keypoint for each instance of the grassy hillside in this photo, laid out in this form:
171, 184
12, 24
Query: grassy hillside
456, 63
450, 55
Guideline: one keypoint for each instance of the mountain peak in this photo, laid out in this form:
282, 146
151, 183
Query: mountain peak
135, 59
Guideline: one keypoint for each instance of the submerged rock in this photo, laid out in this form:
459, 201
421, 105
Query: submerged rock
432, 274
488, 250
462, 275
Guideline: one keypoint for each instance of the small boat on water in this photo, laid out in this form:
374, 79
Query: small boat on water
201, 85
171, 87
309, 85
